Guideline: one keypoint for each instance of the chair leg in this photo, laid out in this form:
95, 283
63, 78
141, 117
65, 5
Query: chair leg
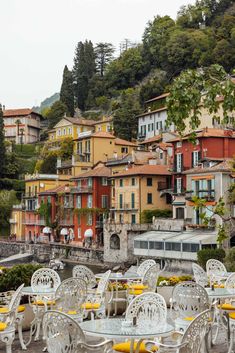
8, 339
19, 321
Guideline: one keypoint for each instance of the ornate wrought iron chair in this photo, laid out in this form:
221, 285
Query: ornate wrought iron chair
8, 320
70, 295
188, 300
63, 334
41, 280
192, 340
148, 283
85, 273
95, 300
200, 275
146, 309
144, 266
215, 271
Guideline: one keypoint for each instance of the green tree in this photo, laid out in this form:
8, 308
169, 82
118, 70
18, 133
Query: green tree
125, 122
7, 200
83, 71
2, 144
66, 91
56, 113
104, 54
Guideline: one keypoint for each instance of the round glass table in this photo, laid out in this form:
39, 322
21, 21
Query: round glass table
118, 276
113, 328
38, 291
221, 293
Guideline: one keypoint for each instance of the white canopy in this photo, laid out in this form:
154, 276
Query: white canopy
64, 231
46, 230
88, 233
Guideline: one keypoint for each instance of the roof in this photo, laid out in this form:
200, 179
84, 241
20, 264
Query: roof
80, 121
145, 170
151, 112
18, 112
119, 141
207, 132
56, 190
96, 172
164, 95
103, 134
163, 145
105, 120
224, 166
151, 139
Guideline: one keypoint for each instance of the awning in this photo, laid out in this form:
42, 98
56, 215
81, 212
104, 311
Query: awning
88, 233
46, 230
64, 231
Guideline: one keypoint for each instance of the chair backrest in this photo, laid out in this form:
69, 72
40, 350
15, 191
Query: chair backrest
195, 333
86, 274
70, 294
147, 308
144, 266
200, 275
45, 278
61, 333
189, 299
230, 282
13, 306
150, 277
103, 283
214, 267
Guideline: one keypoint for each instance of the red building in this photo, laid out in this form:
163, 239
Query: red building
92, 197
209, 143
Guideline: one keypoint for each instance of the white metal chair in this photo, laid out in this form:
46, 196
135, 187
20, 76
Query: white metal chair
193, 340
147, 309
80, 271
188, 300
200, 275
215, 271
144, 266
147, 284
63, 334
69, 297
95, 300
8, 320
42, 279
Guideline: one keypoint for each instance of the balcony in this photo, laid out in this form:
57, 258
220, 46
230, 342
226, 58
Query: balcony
38, 222
125, 207
12, 221
30, 195
66, 223
81, 190
208, 195
68, 204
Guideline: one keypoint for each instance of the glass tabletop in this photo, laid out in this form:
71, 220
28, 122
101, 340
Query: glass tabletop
114, 328
39, 291
118, 276
221, 292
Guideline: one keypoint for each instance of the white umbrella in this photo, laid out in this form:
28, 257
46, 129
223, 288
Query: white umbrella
64, 231
88, 233
46, 230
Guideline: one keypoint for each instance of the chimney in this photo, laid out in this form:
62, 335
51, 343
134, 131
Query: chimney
3, 108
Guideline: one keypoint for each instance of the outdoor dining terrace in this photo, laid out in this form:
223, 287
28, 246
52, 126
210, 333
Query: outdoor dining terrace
138, 310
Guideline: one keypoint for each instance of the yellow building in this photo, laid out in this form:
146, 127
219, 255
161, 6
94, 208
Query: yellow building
138, 189
17, 227
92, 148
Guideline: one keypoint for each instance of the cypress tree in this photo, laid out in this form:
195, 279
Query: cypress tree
104, 54
2, 144
66, 91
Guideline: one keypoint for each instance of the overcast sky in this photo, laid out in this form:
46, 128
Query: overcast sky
38, 37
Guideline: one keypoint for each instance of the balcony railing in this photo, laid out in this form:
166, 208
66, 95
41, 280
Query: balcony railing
68, 204
39, 222
125, 207
30, 195
65, 222
12, 221
82, 189
208, 195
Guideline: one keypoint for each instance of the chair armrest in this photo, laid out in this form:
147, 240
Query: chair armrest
94, 347
165, 347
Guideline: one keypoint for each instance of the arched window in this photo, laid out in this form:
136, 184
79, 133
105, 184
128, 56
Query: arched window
115, 242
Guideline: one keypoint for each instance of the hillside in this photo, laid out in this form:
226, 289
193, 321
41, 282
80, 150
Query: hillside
47, 103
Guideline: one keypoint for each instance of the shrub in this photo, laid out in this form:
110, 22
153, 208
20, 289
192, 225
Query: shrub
206, 254
147, 215
172, 281
230, 260
12, 278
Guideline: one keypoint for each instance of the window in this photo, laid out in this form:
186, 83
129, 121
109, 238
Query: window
195, 158
160, 125
156, 245
132, 200
149, 182
64, 131
79, 218
70, 131
89, 201
114, 242
89, 182
133, 219
152, 126
104, 181
89, 219
79, 183
120, 201
149, 198
121, 182
178, 185
179, 144
161, 155
124, 150
121, 218
204, 188
79, 201
79, 233
188, 247
180, 213
88, 146
104, 201
149, 127
133, 181
179, 162
79, 148
59, 132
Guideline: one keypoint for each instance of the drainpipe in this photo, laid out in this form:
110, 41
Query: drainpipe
140, 198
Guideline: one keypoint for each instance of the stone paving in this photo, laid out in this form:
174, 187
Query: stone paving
37, 347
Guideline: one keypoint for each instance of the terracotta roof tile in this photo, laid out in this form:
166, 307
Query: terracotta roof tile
225, 165
57, 189
145, 170
80, 121
103, 134
164, 95
151, 112
119, 141
18, 112
151, 139
208, 132
96, 172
